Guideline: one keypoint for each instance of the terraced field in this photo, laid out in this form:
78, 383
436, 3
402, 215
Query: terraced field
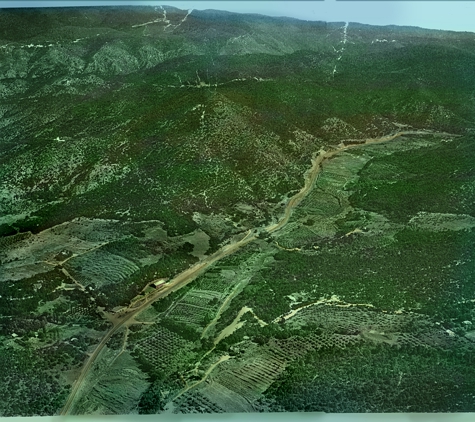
100, 268
305, 189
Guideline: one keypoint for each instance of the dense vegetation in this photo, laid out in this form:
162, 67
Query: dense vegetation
390, 277
437, 179
135, 140
377, 379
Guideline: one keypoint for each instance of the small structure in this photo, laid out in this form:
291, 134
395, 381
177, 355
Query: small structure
158, 284
118, 309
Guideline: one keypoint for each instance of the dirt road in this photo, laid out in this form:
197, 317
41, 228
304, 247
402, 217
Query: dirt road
190, 274
122, 318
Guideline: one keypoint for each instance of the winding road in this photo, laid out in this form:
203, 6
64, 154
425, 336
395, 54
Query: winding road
182, 279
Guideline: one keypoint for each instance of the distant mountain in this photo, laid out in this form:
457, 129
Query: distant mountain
135, 141
202, 85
